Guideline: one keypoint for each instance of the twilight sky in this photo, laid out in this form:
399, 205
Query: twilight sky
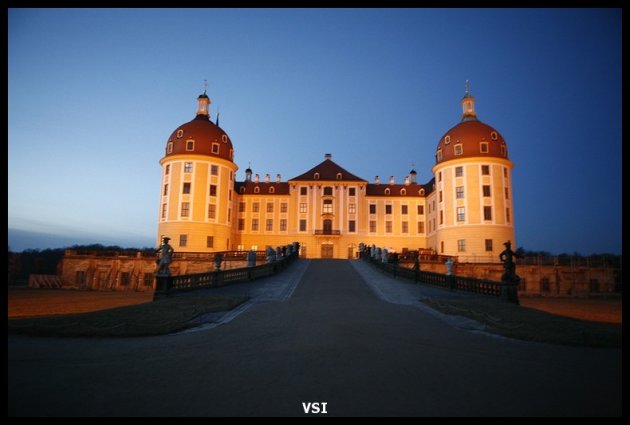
94, 94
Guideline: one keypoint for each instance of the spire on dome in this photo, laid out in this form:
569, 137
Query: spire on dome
468, 105
203, 108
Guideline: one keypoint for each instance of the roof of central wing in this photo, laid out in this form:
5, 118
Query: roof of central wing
327, 170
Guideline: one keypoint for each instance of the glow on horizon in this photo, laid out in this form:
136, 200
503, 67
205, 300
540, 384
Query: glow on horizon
94, 94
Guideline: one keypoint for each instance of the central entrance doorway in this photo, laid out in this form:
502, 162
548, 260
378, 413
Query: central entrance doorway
327, 251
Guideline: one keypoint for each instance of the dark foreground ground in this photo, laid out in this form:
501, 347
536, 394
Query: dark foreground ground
334, 341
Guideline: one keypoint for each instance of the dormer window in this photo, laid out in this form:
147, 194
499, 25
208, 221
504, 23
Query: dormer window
338, 176
169, 147
316, 176
215, 148
421, 192
457, 149
387, 191
180, 133
190, 145
242, 189
483, 147
447, 140
403, 192
439, 154
256, 189
503, 151
494, 135
272, 190
224, 138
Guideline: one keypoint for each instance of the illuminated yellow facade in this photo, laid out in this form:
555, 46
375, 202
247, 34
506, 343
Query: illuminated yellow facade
464, 211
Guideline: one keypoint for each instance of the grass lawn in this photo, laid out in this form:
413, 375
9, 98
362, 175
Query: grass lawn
525, 323
149, 318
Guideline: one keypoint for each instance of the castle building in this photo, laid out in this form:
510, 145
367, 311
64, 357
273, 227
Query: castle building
465, 210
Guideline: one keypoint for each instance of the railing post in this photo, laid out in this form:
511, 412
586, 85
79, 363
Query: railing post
163, 284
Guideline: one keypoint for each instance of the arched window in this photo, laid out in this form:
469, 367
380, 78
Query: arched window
242, 189
338, 176
447, 140
316, 176
387, 191
224, 138
421, 192
256, 189
403, 192
494, 135
272, 189
180, 133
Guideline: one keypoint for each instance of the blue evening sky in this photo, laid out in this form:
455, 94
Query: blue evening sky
94, 94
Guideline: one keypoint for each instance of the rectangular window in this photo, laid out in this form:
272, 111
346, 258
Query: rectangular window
504, 172
328, 207
461, 216
352, 191
214, 170
190, 145
486, 190
488, 244
210, 242
507, 193
229, 195
241, 224
269, 225
163, 210
255, 207
372, 226
440, 176
241, 207
147, 278
352, 208
188, 167
507, 215
440, 195
269, 207
213, 190
168, 169
284, 207
441, 217
183, 240
254, 224
487, 213
405, 227
303, 191
461, 245
125, 278
388, 226
459, 171
229, 214
372, 208
459, 192
503, 151
421, 227
420, 209
215, 148
441, 247
212, 211
185, 209
302, 225
388, 209
165, 190
283, 224
303, 207
186, 188
485, 170
483, 147
439, 155
352, 226
458, 149
404, 209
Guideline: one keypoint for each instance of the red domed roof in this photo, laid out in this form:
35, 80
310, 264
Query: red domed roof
208, 139
471, 138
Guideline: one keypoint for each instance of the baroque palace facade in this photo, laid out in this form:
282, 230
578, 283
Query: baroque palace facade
464, 211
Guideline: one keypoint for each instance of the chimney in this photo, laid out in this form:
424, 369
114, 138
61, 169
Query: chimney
256, 178
377, 180
391, 179
328, 156
278, 178
407, 181
267, 178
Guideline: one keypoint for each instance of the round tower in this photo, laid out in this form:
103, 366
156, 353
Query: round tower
196, 202
473, 190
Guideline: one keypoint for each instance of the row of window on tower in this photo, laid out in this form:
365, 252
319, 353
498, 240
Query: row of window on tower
458, 149
188, 168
